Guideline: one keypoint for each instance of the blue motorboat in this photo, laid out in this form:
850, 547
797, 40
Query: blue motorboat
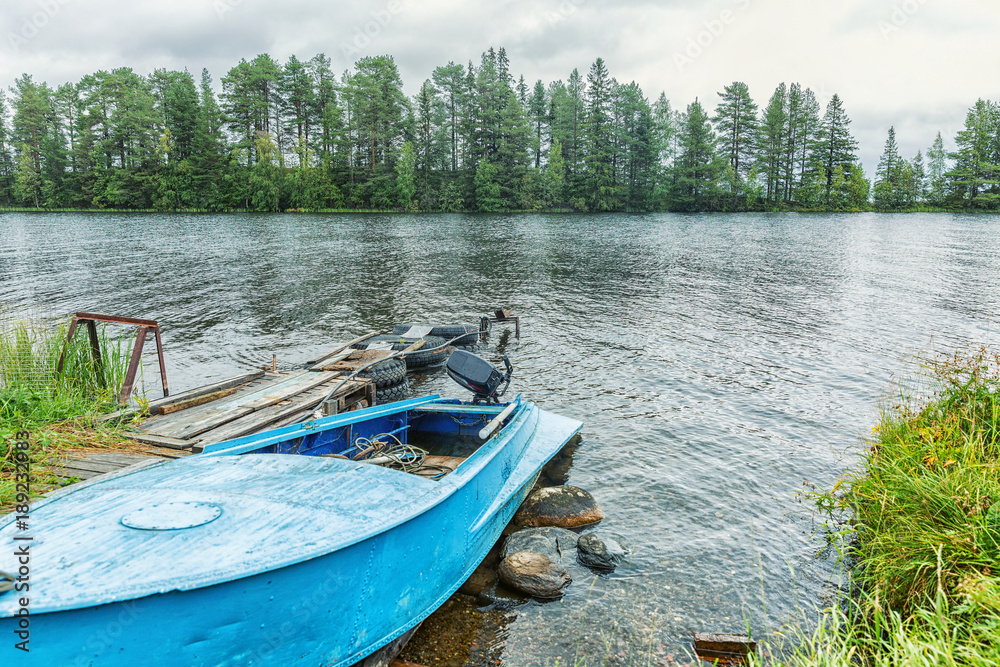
313, 544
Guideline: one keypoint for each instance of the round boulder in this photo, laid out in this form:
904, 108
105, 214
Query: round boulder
534, 574
553, 543
599, 554
564, 506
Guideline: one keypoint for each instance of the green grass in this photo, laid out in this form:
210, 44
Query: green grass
57, 410
923, 530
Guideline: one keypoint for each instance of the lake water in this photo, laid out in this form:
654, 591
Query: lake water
719, 363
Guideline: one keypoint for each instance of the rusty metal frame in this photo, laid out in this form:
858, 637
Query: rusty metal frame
502, 315
145, 328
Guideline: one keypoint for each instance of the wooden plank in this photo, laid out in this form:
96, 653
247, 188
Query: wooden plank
263, 419
172, 425
271, 396
197, 400
235, 381
124, 458
66, 473
343, 346
96, 465
159, 440
154, 406
324, 364
354, 360
726, 649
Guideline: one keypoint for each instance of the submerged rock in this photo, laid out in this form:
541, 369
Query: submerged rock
552, 542
599, 554
534, 574
563, 506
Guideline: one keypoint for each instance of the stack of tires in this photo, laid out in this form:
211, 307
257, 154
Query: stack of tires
463, 336
390, 380
434, 352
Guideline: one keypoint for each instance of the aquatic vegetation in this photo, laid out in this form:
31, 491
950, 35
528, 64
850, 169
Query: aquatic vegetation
923, 535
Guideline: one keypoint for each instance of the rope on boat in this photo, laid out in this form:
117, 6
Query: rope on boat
395, 454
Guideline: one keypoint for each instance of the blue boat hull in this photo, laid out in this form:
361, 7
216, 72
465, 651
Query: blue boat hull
331, 610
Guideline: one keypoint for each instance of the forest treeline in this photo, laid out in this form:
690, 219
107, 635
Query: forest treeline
473, 138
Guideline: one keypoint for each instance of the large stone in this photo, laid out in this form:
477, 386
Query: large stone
553, 543
534, 574
563, 506
599, 554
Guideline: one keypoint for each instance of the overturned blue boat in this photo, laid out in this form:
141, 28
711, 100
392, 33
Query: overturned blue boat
313, 544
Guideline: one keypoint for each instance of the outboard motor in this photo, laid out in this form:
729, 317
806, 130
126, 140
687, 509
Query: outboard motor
479, 376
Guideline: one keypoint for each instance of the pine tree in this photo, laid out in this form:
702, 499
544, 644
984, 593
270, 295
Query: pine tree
450, 81
698, 165
6, 158
772, 143
538, 113
736, 122
209, 149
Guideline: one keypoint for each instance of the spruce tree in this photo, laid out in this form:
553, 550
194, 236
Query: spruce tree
889, 175
835, 144
975, 177
599, 174
937, 168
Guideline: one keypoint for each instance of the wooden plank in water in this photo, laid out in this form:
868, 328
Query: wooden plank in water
724, 649
233, 410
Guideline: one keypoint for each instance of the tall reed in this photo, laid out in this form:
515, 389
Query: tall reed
924, 531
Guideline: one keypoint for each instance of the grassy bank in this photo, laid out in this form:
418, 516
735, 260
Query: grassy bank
58, 412
923, 530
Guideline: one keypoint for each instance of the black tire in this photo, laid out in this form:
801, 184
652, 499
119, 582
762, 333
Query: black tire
386, 373
468, 332
433, 353
392, 393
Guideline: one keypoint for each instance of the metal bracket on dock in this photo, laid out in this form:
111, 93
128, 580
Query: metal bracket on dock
145, 327
501, 315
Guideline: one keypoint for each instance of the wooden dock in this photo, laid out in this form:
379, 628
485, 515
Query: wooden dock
183, 424
260, 402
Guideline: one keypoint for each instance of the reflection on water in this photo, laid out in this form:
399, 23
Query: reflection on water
718, 362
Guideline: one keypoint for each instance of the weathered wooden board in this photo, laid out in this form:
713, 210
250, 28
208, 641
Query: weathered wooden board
263, 419
197, 400
341, 347
154, 406
165, 423
301, 406
218, 414
159, 440
98, 463
325, 364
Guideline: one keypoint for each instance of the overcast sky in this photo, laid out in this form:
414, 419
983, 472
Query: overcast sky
915, 64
